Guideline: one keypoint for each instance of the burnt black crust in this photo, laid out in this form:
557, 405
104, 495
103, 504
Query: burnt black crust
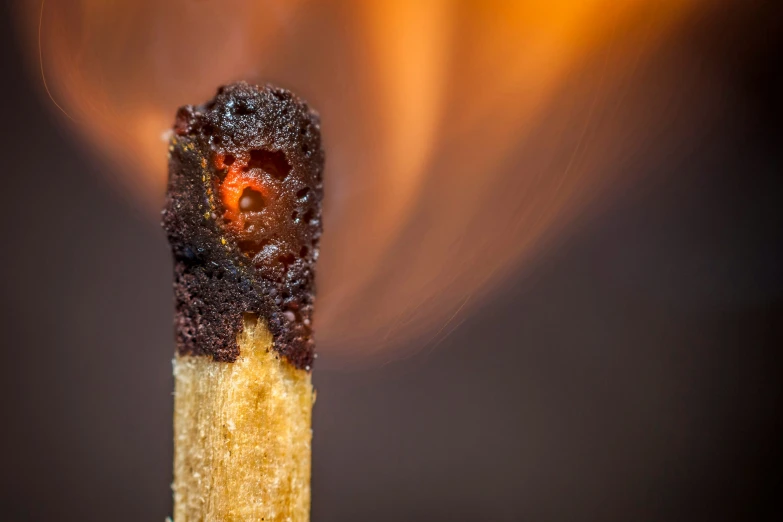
265, 267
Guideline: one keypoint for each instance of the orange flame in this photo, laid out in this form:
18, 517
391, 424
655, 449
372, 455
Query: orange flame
459, 135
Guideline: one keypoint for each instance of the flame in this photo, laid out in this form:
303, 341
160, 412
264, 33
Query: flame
460, 135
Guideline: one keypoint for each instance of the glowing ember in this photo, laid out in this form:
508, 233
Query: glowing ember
242, 192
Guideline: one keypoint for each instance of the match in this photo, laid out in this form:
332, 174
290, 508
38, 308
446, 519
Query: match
243, 217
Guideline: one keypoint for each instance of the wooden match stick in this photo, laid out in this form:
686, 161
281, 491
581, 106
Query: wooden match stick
243, 216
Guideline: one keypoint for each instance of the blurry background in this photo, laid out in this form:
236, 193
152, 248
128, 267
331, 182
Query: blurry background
552, 289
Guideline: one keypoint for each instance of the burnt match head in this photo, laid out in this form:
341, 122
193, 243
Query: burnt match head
243, 216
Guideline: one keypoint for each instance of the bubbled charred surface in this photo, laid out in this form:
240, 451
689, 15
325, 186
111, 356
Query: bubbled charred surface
243, 216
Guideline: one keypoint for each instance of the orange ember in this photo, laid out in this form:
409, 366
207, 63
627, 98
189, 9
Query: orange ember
243, 191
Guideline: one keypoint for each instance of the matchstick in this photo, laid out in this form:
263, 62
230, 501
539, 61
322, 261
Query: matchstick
243, 216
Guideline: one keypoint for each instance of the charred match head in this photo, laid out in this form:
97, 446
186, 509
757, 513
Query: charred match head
243, 216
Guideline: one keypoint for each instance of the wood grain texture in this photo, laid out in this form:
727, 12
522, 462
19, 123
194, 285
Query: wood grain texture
242, 435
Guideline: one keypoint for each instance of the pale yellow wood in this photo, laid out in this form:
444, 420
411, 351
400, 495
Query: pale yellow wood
242, 434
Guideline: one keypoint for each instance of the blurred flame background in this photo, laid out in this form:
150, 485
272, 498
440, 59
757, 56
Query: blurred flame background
461, 137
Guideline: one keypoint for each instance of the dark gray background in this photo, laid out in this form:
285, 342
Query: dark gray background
631, 374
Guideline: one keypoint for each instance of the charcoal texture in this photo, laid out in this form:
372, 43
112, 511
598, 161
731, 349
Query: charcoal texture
258, 258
